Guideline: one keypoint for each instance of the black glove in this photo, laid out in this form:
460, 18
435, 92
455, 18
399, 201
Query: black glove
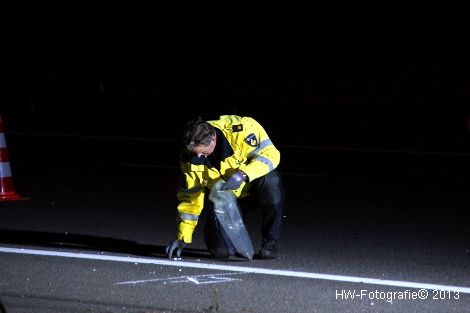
234, 181
178, 245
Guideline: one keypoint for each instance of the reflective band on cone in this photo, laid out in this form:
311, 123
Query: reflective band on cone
7, 192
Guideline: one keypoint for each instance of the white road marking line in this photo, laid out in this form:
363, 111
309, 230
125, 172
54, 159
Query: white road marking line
243, 269
283, 146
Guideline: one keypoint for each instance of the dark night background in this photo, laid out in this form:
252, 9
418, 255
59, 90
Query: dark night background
367, 102
332, 75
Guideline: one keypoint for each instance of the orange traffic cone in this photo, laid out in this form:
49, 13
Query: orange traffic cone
7, 192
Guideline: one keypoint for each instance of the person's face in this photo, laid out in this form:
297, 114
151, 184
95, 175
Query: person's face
205, 151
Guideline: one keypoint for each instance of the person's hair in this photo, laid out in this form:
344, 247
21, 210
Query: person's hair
198, 132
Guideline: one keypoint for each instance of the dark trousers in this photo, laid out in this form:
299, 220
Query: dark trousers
267, 194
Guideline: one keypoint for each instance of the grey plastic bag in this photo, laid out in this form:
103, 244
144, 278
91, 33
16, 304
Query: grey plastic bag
228, 214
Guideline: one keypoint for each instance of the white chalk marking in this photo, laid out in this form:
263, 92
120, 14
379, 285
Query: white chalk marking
243, 269
196, 279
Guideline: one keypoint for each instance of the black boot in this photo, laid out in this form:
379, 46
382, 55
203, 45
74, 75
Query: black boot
268, 250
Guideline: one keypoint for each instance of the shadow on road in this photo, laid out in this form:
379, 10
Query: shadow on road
2, 309
74, 241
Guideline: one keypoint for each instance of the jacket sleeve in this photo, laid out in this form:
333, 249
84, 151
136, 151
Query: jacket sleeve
191, 202
264, 158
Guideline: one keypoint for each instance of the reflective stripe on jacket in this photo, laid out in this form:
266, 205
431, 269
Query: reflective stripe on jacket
244, 146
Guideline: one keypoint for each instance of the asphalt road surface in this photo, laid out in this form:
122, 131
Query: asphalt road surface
364, 231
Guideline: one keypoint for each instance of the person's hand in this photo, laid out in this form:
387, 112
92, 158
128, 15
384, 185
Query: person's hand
178, 245
234, 181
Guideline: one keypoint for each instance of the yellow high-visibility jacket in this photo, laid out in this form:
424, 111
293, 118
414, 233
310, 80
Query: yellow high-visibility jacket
242, 144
